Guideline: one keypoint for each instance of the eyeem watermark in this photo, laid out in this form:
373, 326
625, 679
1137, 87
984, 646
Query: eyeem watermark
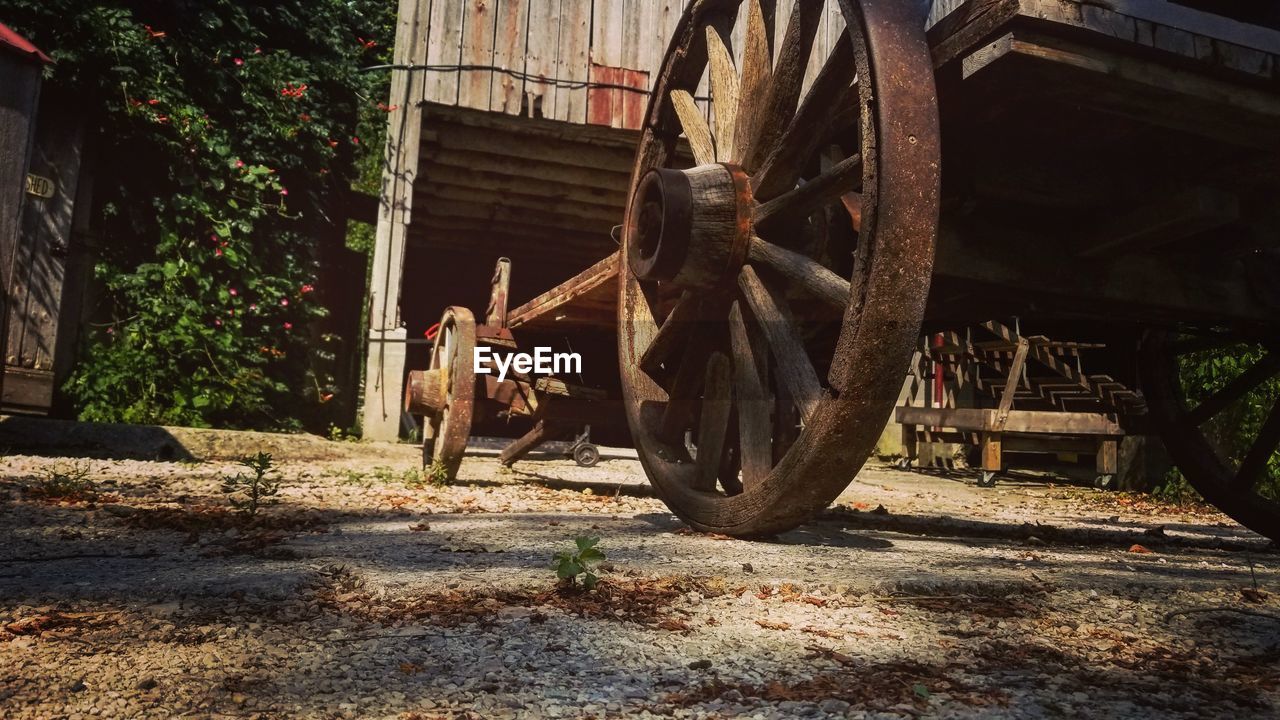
542, 361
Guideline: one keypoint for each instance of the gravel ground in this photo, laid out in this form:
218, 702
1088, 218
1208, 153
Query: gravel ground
365, 593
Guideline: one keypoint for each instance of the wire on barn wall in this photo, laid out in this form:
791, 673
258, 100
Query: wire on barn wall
518, 74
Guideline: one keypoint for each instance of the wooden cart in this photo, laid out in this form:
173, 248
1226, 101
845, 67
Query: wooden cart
1112, 161
996, 390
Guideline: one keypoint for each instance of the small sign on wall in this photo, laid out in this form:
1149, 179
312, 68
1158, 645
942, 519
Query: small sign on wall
39, 186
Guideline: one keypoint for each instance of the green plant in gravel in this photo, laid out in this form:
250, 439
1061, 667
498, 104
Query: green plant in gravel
67, 484
248, 492
227, 133
580, 562
437, 474
1176, 490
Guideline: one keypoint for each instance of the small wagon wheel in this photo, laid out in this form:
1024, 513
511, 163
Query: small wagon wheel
775, 291
1239, 472
446, 392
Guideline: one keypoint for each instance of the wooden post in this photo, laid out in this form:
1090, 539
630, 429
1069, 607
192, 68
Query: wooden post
1108, 455
991, 452
384, 371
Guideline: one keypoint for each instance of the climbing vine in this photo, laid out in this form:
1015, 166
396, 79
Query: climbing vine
223, 131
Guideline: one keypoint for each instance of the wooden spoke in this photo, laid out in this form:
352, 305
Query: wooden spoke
785, 83
774, 317
713, 425
674, 333
1254, 465
756, 69
695, 127
1265, 368
828, 106
724, 93
786, 423
677, 416
801, 202
801, 270
730, 480
750, 378
852, 202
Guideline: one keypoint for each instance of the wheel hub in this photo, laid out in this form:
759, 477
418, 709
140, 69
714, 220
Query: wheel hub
425, 392
692, 227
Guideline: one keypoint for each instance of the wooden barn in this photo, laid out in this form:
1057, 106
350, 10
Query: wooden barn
512, 134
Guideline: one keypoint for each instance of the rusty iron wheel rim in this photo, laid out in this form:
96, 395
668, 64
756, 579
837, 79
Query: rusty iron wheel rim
444, 435
899, 148
1201, 463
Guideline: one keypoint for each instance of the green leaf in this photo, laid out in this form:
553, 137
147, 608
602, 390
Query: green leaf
589, 581
568, 569
590, 555
585, 542
921, 691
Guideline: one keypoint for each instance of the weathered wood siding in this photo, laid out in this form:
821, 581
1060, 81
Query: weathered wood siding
564, 45
38, 289
19, 94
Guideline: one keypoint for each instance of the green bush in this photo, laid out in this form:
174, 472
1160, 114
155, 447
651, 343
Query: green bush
223, 132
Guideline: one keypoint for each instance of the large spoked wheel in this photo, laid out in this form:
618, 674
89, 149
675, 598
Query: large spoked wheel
446, 392
773, 292
1215, 400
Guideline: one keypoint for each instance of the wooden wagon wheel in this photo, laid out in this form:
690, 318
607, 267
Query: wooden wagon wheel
1241, 476
445, 393
775, 291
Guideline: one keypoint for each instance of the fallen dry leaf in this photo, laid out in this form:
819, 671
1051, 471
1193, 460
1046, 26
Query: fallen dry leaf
771, 625
816, 651
1136, 548
1252, 595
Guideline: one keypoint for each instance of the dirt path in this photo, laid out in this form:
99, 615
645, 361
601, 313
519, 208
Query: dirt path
363, 593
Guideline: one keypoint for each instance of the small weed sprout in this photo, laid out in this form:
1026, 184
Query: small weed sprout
436, 473
68, 484
255, 489
581, 561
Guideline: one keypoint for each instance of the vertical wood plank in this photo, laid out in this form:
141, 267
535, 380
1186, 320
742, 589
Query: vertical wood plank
600, 99
506, 94
478, 29
604, 105
779, 28
629, 108
573, 60
542, 41
445, 48
39, 266
821, 44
